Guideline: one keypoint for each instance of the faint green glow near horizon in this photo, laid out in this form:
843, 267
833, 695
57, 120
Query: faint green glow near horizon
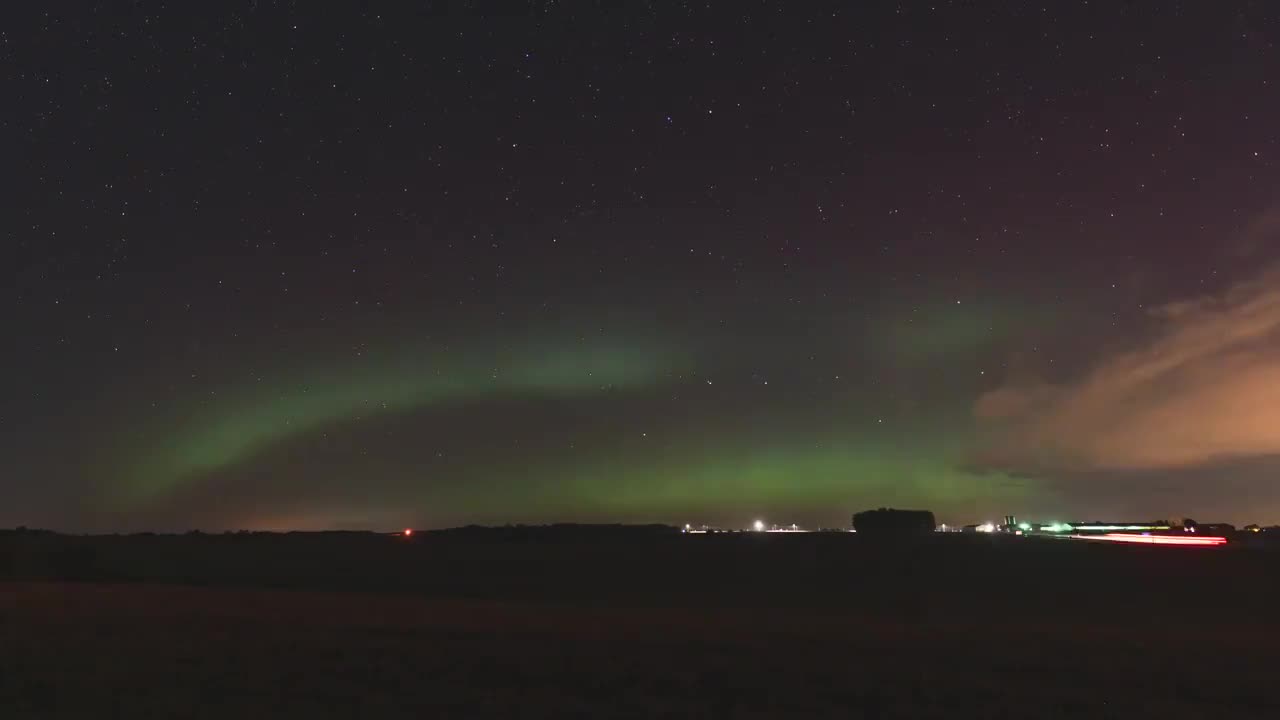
721, 474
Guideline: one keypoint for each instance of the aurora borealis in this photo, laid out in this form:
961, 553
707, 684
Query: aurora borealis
233, 428
374, 269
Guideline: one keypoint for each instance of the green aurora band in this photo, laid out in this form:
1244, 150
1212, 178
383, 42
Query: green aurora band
719, 475
246, 421
264, 444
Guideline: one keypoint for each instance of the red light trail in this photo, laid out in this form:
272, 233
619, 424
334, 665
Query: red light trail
1199, 540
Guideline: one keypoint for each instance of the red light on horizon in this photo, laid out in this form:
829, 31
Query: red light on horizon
1201, 540
408, 532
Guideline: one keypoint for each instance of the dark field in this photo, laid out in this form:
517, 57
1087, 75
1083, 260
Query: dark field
685, 626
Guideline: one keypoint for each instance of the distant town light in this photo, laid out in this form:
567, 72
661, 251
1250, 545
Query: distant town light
758, 525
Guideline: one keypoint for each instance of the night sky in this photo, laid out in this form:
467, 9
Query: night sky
370, 265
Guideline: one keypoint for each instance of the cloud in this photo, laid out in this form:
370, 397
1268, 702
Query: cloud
1203, 387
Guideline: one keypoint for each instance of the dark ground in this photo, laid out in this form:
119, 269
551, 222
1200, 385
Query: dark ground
630, 626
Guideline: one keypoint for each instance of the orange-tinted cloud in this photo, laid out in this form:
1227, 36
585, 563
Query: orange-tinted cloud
1204, 387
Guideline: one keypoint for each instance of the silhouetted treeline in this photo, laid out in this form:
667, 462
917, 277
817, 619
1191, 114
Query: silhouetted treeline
887, 521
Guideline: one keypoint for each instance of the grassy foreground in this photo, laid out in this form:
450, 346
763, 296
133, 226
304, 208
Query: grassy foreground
768, 631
